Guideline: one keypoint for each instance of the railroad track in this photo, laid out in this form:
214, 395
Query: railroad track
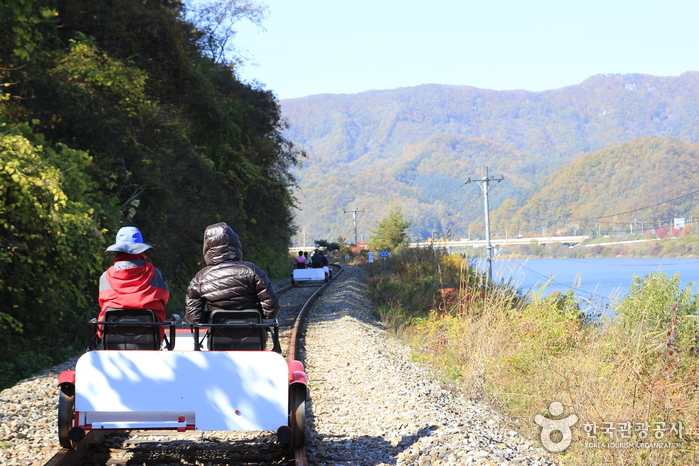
115, 448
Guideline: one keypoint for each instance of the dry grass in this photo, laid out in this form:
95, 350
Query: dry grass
638, 368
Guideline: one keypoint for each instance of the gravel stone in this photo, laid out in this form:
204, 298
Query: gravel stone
368, 403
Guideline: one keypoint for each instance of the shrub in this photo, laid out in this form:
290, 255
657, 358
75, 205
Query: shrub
638, 367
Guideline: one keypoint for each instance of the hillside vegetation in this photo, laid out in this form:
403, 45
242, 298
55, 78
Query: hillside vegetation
415, 147
620, 187
630, 379
114, 113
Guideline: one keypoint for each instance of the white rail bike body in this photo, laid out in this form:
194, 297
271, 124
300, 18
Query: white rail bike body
185, 390
185, 385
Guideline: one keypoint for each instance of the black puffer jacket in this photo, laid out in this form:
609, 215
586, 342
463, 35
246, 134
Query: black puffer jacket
227, 282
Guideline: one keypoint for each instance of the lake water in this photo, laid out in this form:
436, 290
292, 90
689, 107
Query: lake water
590, 279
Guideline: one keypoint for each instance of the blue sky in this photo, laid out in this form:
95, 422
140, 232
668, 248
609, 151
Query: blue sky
345, 47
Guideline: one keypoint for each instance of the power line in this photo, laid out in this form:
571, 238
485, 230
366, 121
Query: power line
636, 210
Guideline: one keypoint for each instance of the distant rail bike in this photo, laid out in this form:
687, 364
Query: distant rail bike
311, 275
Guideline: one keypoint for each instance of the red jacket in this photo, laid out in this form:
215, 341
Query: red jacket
133, 283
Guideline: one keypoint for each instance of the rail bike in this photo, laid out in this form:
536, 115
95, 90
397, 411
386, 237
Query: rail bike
142, 374
311, 275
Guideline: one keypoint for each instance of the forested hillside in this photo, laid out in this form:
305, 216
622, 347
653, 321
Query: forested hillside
617, 188
417, 146
120, 113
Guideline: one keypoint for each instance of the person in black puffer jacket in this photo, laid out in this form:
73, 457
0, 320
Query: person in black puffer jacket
227, 282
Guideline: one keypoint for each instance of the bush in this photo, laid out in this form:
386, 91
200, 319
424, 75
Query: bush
638, 367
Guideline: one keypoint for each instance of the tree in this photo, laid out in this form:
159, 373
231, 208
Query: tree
343, 248
324, 243
390, 232
132, 122
51, 241
216, 21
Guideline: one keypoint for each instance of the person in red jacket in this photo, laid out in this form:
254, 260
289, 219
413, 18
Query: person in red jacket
132, 282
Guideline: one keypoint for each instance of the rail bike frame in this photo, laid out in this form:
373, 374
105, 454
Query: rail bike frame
184, 386
311, 275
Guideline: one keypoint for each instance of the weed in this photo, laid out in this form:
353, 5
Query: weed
628, 378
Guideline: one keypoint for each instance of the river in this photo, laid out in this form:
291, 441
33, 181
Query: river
592, 280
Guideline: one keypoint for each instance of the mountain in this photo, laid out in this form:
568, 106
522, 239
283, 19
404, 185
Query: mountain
414, 148
613, 188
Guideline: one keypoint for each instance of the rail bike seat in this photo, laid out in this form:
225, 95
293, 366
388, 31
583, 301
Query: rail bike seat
231, 330
132, 329
125, 333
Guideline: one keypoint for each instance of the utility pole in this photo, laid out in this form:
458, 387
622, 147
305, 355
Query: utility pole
354, 219
484, 187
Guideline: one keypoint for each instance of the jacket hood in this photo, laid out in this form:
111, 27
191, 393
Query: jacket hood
131, 280
221, 244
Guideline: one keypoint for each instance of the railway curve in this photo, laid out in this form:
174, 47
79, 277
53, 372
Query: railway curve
147, 447
369, 403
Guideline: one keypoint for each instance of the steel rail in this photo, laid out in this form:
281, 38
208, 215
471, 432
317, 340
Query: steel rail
296, 330
300, 458
76, 456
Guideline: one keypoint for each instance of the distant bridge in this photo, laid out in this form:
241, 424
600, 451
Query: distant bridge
479, 243
303, 248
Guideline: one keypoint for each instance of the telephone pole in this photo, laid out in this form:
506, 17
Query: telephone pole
484, 187
354, 219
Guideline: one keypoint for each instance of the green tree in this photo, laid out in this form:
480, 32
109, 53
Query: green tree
324, 243
24, 24
216, 21
51, 241
343, 248
390, 232
177, 140
133, 122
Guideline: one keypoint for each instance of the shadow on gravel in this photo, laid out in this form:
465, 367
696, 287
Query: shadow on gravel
348, 299
365, 450
206, 448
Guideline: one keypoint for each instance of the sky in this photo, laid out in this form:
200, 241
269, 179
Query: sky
312, 47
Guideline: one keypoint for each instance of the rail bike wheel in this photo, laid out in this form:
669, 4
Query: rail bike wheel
297, 416
66, 411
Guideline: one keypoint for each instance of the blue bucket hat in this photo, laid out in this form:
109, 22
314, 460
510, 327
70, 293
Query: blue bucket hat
130, 241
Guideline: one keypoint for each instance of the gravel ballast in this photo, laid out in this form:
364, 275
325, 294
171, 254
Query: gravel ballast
371, 405
368, 403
